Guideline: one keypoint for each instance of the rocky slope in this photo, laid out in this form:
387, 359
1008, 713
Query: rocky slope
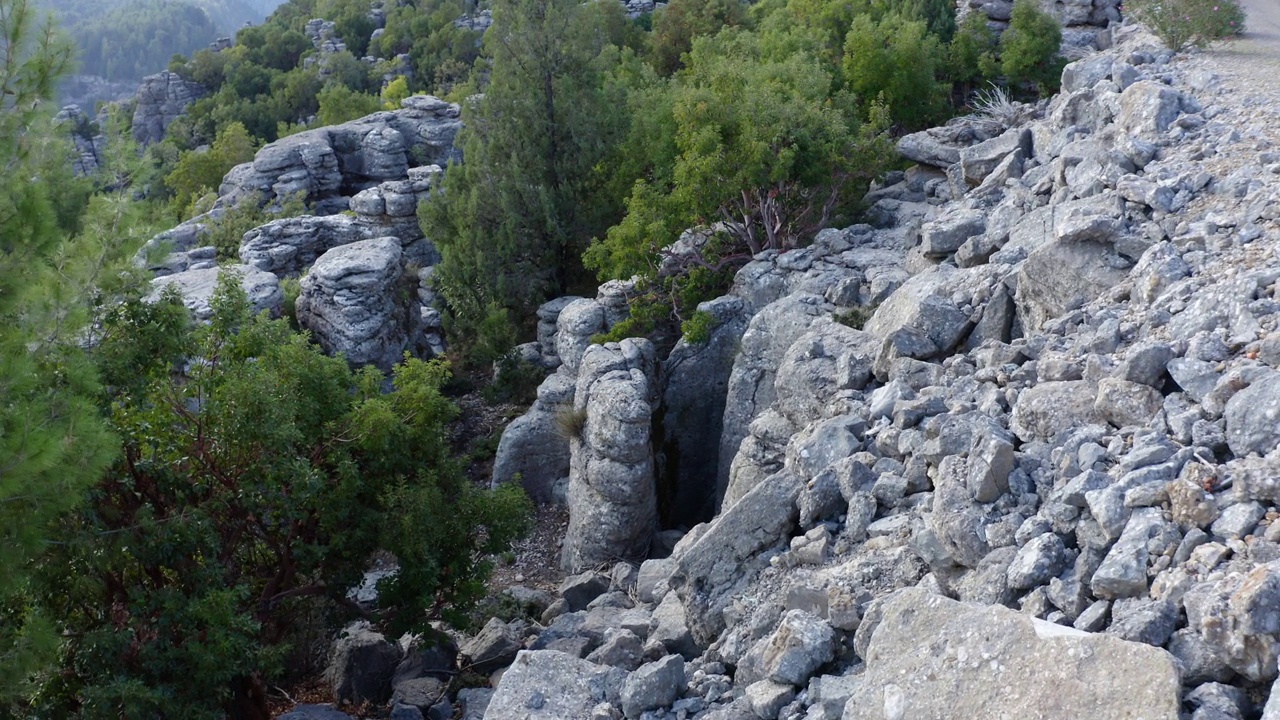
1010, 453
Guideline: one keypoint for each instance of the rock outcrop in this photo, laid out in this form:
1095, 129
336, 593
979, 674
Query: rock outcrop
349, 302
338, 161
161, 99
90, 143
197, 288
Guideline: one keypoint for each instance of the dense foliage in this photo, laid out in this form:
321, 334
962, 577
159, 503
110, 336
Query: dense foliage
250, 492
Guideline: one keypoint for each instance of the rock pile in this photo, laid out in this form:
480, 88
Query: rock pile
1012, 452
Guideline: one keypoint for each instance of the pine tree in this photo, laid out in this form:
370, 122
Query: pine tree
514, 218
52, 442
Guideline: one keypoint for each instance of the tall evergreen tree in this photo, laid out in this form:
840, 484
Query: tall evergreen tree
514, 218
53, 444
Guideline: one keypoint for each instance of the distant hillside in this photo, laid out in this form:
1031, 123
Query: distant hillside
128, 39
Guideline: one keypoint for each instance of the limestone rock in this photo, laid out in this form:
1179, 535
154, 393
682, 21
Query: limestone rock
612, 502
161, 99
197, 288
695, 385
1047, 409
655, 685
1253, 417
729, 553
361, 665
550, 685
933, 657
350, 303
291, 245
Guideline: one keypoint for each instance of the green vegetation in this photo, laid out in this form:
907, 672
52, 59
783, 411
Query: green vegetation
187, 504
1029, 48
513, 221
1183, 24
219, 532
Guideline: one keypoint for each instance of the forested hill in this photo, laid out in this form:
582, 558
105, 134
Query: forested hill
124, 40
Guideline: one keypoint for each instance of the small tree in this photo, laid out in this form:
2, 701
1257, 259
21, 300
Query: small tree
765, 156
1029, 48
894, 62
676, 25
199, 172
972, 54
53, 442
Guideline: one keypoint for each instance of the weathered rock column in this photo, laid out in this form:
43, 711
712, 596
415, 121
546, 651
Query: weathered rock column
612, 501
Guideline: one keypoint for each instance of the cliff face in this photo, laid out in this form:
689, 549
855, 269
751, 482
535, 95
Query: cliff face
1048, 379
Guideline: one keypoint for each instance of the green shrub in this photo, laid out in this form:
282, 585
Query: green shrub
856, 317
1182, 24
697, 329
251, 492
1029, 48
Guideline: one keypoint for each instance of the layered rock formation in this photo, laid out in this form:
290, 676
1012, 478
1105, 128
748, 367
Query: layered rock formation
161, 99
362, 253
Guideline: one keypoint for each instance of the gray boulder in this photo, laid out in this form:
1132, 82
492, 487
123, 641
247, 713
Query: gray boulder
794, 652
350, 302
1127, 404
924, 304
978, 161
1148, 109
1049, 408
550, 685
361, 665
197, 288
655, 685
494, 646
291, 245
1236, 616
931, 657
944, 235
534, 448
1063, 274
727, 556
1253, 417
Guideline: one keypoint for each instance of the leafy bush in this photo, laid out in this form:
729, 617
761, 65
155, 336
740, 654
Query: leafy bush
1182, 24
252, 491
1029, 48
894, 62
972, 53
227, 230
